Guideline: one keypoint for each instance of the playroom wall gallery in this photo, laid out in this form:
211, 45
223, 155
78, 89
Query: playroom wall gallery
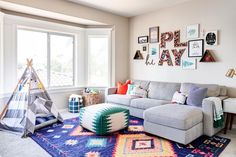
210, 15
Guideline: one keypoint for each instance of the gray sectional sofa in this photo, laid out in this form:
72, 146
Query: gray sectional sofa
180, 123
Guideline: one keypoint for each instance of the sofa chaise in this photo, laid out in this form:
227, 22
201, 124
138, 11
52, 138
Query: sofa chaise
180, 123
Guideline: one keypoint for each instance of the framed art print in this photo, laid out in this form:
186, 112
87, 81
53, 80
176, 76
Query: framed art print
195, 48
143, 39
144, 48
189, 64
192, 31
154, 50
154, 34
211, 38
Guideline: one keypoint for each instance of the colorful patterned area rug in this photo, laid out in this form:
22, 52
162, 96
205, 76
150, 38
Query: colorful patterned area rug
71, 140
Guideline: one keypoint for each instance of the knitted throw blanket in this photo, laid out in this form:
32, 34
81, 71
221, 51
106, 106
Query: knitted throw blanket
217, 112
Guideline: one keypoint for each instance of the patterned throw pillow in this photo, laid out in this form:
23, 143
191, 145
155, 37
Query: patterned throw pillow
139, 92
130, 88
179, 98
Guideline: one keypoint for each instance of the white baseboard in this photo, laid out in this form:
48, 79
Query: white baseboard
63, 110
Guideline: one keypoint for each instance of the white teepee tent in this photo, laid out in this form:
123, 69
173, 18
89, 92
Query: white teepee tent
29, 107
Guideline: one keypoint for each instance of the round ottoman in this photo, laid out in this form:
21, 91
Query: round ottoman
104, 118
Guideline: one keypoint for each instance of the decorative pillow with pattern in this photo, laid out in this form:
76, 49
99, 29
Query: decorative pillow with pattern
131, 88
139, 92
179, 98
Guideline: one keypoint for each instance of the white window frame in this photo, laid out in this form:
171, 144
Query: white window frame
9, 67
101, 33
49, 32
1, 54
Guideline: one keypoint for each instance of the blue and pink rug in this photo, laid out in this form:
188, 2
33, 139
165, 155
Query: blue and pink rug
71, 140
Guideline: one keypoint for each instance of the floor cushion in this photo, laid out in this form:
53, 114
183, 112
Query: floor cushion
104, 118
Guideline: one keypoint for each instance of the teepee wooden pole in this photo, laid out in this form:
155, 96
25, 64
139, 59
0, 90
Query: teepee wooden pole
3, 112
29, 64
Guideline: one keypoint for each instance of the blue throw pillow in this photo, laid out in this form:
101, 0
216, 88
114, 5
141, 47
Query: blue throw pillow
196, 95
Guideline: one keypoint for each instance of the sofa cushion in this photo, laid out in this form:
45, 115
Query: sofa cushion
139, 92
120, 99
223, 90
162, 90
179, 98
196, 95
122, 88
145, 103
142, 84
173, 115
213, 90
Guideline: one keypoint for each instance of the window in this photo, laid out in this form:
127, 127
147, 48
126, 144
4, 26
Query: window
98, 57
52, 54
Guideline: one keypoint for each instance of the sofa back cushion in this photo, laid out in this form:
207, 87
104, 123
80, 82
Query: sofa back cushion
223, 91
213, 90
162, 90
142, 84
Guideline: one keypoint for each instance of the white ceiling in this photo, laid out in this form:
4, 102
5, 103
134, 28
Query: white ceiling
129, 8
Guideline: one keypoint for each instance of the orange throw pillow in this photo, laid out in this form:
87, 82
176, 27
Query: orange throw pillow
122, 88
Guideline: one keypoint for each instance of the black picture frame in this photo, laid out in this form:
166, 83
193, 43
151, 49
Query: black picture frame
142, 39
201, 49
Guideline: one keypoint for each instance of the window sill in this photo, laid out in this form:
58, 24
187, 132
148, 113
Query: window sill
57, 90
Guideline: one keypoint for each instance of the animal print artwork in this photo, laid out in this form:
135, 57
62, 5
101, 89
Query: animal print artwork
165, 57
178, 55
166, 37
177, 40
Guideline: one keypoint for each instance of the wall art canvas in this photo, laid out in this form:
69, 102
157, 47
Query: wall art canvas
154, 34
154, 50
192, 31
195, 48
144, 48
189, 64
211, 38
142, 39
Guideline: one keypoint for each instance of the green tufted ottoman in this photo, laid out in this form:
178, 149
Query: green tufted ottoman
104, 118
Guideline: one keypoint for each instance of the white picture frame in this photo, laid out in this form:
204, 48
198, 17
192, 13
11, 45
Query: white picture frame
154, 34
211, 38
192, 31
189, 64
154, 50
144, 48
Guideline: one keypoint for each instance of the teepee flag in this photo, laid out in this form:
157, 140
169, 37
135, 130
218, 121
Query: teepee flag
28, 103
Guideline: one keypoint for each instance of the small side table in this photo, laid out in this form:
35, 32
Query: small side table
229, 106
91, 99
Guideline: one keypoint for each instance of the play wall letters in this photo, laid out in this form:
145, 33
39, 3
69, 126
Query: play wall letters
165, 55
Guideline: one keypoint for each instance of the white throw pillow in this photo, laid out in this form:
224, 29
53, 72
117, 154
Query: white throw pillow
130, 88
179, 98
139, 92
